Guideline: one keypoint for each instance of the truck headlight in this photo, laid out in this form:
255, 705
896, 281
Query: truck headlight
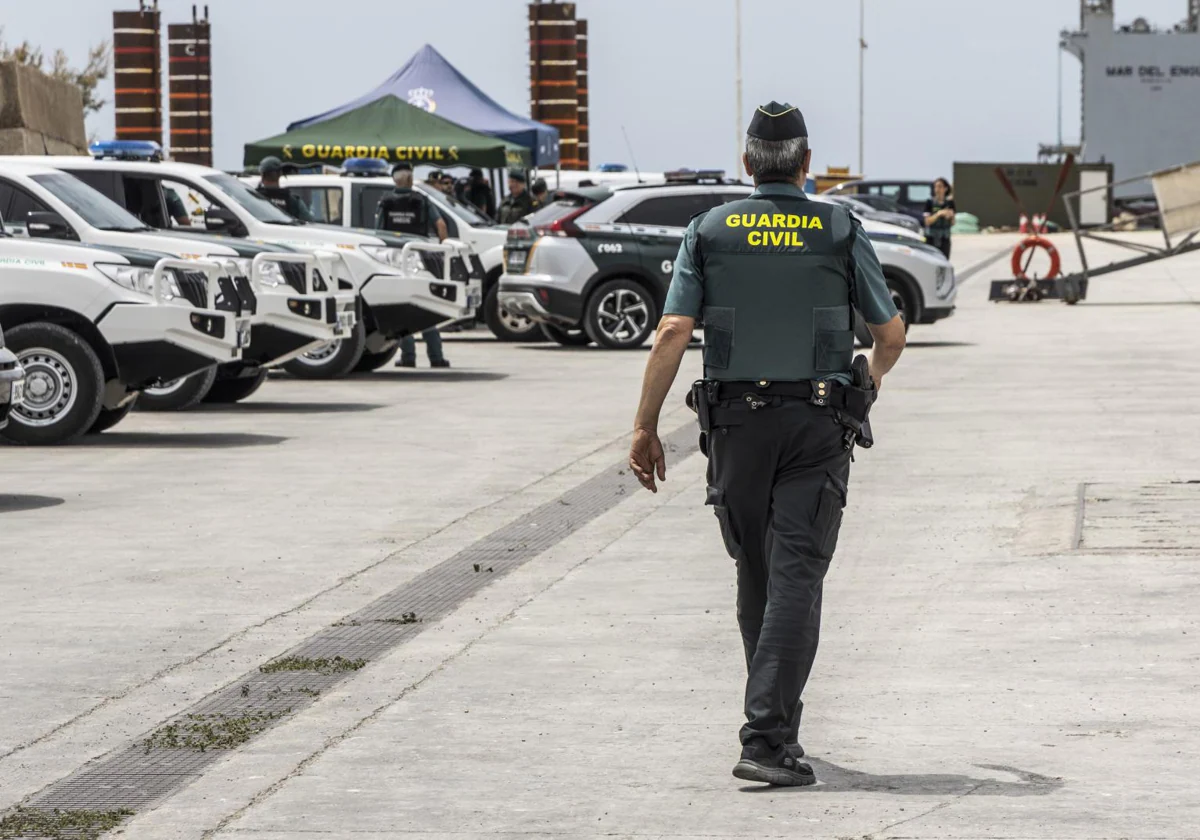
409, 263
945, 281
139, 279
270, 273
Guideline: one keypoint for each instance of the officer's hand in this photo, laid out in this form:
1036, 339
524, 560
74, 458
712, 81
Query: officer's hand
646, 456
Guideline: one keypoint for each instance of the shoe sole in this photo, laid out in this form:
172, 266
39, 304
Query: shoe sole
751, 771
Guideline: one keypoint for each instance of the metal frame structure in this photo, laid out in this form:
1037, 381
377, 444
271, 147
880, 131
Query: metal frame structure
1070, 287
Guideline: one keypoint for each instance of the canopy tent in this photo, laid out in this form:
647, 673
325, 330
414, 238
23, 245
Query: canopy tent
431, 82
393, 130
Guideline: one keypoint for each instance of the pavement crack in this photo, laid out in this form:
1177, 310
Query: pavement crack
375, 713
938, 807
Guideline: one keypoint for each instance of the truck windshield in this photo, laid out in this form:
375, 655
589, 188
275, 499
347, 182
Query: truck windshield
250, 201
95, 208
467, 212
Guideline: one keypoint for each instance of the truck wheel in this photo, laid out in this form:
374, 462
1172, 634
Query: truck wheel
901, 297
620, 315
235, 390
178, 394
505, 325
374, 361
567, 338
110, 417
333, 360
64, 385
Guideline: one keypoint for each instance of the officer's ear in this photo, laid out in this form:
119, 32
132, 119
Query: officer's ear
807, 162
746, 165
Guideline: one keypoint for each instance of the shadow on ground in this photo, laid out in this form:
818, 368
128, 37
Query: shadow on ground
287, 408
15, 504
180, 440
920, 344
835, 779
427, 375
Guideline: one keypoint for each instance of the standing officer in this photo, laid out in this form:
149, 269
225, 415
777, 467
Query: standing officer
519, 203
774, 277
405, 210
270, 168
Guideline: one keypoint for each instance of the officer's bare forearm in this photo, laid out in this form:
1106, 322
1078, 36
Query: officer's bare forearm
670, 343
889, 344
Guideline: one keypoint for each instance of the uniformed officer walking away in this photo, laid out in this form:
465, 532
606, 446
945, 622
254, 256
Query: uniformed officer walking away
519, 202
270, 168
774, 278
405, 210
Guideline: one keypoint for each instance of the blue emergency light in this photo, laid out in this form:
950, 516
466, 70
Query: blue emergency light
126, 150
613, 167
366, 166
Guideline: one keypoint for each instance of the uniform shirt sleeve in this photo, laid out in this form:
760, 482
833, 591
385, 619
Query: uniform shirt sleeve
686, 294
434, 213
874, 299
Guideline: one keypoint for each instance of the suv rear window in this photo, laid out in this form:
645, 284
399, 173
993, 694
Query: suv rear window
555, 210
668, 210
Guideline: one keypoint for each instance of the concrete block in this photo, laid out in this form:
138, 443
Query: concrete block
32, 100
24, 141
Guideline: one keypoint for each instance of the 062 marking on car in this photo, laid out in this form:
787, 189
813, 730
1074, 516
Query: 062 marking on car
611, 248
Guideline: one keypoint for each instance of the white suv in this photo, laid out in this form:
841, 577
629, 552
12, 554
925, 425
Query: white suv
286, 316
405, 284
350, 200
93, 327
12, 381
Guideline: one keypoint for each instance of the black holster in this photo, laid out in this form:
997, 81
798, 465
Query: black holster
700, 400
855, 413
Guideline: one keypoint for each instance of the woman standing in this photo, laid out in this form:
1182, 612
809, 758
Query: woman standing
939, 216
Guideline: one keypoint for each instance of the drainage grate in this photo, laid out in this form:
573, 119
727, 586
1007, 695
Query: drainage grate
1160, 516
142, 775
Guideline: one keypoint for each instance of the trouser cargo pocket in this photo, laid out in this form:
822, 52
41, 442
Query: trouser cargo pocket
829, 515
716, 498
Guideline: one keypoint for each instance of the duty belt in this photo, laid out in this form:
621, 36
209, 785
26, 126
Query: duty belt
759, 393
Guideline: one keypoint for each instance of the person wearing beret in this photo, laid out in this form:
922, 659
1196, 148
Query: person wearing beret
774, 279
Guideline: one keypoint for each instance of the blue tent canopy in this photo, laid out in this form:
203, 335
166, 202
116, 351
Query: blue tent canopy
431, 82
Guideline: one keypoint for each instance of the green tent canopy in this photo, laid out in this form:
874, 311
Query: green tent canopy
391, 129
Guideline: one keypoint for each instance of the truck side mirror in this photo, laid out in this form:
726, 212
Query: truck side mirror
44, 224
222, 220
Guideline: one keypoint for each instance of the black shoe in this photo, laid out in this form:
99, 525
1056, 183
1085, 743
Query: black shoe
796, 750
760, 763
440, 363
407, 363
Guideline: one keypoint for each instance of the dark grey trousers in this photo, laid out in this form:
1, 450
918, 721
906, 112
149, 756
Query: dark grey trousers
777, 481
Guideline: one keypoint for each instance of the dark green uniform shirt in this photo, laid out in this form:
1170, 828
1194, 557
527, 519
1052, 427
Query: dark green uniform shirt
515, 207
686, 294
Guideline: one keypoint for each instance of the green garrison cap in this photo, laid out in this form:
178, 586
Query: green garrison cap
270, 164
777, 122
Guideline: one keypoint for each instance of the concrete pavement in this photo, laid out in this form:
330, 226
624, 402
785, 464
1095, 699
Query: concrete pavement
998, 659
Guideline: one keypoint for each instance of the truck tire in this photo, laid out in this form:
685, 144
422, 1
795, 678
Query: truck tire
234, 390
178, 394
110, 417
620, 315
567, 338
374, 361
507, 326
333, 360
64, 385
901, 298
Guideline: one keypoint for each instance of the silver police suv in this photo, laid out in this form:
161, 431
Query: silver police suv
594, 264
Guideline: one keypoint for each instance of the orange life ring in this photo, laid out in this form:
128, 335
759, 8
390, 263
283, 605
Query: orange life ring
1035, 242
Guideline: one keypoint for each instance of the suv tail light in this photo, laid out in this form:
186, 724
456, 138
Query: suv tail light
564, 226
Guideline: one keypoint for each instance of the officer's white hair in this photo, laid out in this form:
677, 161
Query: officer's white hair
776, 160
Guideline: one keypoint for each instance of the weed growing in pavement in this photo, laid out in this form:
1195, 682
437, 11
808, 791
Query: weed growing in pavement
405, 618
336, 665
58, 825
212, 732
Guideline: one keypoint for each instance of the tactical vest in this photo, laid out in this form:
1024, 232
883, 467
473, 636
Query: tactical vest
777, 289
405, 212
276, 195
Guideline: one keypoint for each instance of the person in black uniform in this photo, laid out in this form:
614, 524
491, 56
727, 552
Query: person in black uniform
519, 203
405, 210
479, 192
270, 168
774, 278
540, 193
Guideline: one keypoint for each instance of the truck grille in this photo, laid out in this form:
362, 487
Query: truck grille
246, 296
477, 267
458, 270
433, 262
293, 273
194, 285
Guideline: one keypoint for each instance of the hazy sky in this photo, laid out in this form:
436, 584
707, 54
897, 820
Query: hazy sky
946, 80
